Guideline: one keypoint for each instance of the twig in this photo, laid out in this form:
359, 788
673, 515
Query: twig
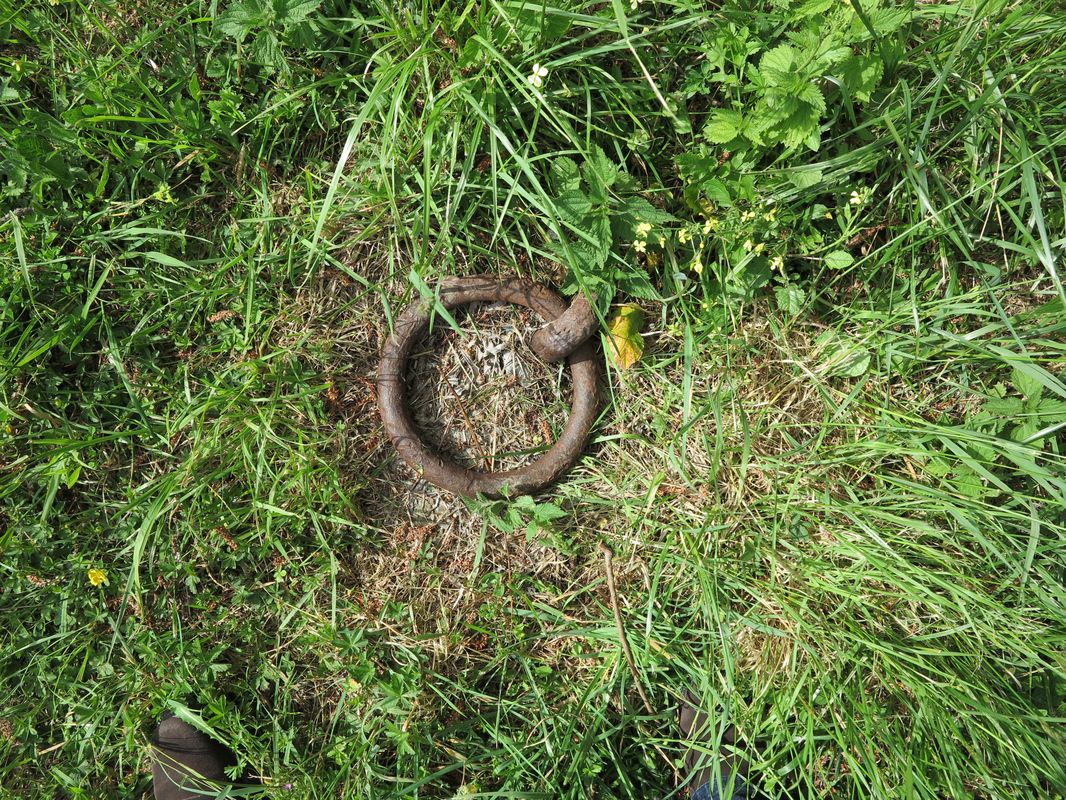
608, 557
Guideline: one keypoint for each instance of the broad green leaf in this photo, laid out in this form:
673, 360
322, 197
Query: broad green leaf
1025, 383
266, 50
565, 175
626, 343
640, 210
299, 10
789, 298
861, 75
805, 178
778, 65
839, 259
724, 127
240, 18
573, 206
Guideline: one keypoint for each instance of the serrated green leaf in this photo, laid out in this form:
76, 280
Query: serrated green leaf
725, 125
1028, 385
1009, 407
266, 50
860, 75
638, 210
778, 65
789, 298
573, 206
298, 10
240, 18
565, 175
839, 259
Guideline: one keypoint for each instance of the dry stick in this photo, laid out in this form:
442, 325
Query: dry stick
608, 557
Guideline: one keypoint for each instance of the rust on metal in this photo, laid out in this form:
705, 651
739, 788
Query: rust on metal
414, 321
567, 332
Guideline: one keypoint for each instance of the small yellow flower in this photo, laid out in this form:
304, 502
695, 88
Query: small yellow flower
828, 215
760, 247
643, 229
640, 245
747, 216
662, 241
777, 262
97, 577
697, 265
749, 245
537, 76
769, 215
683, 236
856, 199
710, 225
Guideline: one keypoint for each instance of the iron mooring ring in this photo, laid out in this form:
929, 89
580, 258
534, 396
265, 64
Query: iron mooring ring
566, 333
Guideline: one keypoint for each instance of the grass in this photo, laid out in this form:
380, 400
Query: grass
834, 487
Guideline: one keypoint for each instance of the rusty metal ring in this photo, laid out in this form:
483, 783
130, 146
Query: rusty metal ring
400, 426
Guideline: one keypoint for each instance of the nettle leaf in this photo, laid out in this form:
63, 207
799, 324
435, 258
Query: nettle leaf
240, 18
298, 10
861, 75
1008, 408
636, 210
599, 227
573, 206
1025, 383
600, 174
888, 20
637, 284
724, 127
266, 50
778, 65
789, 298
565, 175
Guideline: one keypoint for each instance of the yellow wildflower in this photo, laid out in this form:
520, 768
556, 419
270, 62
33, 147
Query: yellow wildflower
643, 229
710, 225
777, 262
683, 236
97, 577
749, 245
760, 247
640, 245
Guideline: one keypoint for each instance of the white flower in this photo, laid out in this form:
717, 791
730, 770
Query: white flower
777, 262
749, 245
537, 76
640, 245
856, 199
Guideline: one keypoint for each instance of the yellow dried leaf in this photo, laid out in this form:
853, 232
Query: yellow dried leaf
626, 343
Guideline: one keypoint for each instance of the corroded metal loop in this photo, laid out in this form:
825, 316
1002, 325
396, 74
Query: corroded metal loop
413, 322
563, 335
